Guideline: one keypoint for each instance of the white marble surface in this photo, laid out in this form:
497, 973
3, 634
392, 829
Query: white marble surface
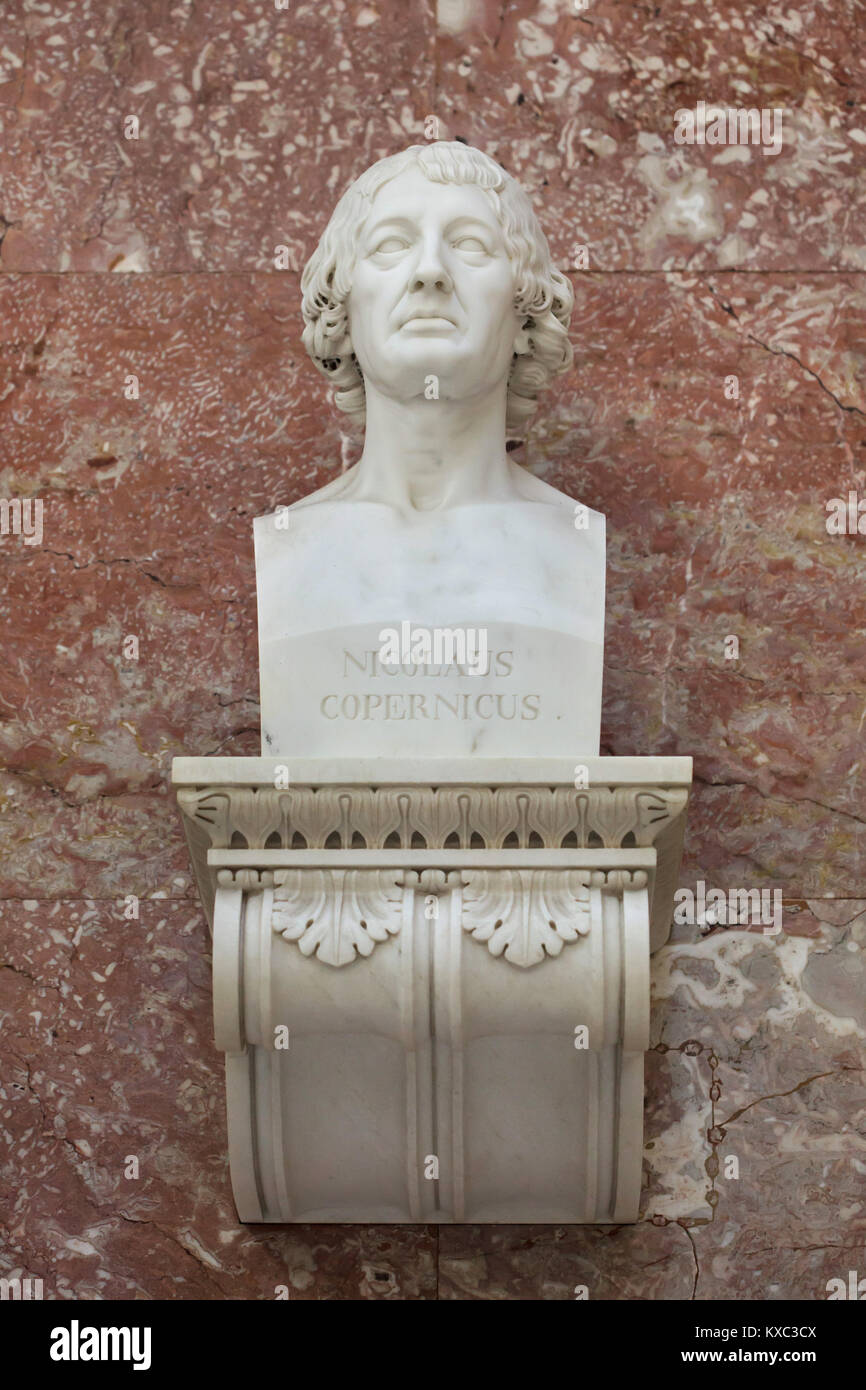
340, 572
433, 1076
433, 306
600, 772
433, 997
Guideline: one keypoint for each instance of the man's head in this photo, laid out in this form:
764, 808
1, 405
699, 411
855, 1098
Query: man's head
434, 263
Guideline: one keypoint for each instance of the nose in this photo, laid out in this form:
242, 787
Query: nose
430, 272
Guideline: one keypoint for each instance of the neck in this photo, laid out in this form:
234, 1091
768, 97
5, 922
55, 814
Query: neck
422, 455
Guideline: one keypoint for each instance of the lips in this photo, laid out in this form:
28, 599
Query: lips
426, 316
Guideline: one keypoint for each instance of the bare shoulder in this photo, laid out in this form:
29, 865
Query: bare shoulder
331, 492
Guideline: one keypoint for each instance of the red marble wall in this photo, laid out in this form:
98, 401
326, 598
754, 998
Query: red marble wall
154, 257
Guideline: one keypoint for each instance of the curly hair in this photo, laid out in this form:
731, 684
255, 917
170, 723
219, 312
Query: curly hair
543, 296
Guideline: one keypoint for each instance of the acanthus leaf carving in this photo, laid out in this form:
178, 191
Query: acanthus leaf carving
525, 914
337, 913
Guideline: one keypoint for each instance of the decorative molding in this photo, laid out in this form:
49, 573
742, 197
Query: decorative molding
337, 913
526, 914
507, 819
429, 817
617, 880
523, 915
251, 880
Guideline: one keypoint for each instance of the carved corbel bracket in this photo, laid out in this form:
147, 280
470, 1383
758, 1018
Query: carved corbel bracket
420, 964
244, 825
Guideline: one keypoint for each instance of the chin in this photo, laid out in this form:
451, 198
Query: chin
439, 346
445, 360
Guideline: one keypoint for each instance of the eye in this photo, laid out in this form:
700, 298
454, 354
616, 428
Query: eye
390, 245
472, 244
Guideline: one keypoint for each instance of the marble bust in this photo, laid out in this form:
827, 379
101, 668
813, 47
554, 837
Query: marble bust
431, 937
433, 308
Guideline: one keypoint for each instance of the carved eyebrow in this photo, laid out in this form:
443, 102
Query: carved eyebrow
409, 223
384, 222
467, 220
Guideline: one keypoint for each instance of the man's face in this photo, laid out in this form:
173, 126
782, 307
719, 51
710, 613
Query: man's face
433, 291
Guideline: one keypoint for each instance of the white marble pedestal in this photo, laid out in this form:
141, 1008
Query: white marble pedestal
431, 979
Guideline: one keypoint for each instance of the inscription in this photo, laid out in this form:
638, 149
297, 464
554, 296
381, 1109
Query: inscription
413, 705
426, 704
